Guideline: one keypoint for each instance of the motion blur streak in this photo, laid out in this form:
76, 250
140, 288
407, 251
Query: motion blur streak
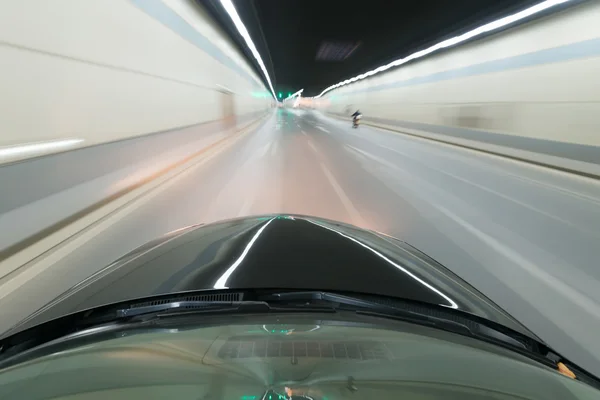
230, 8
222, 281
401, 268
511, 19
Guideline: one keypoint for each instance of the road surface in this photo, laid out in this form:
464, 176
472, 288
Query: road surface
526, 236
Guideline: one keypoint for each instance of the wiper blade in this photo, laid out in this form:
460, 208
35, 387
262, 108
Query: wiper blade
172, 308
179, 306
331, 299
189, 308
400, 311
364, 307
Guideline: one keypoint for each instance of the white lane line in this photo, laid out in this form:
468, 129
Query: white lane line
323, 129
554, 283
304, 133
550, 186
350, 209
584, 302
374, 157
482, 154
312, 146
274, 148
489, 190
355, 151
575, 296
394, 150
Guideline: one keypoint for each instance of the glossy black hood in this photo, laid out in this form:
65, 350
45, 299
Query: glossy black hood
275, 252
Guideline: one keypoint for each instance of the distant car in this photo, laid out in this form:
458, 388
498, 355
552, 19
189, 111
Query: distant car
280, 306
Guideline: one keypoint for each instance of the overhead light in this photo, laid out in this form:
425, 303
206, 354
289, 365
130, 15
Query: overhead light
492, 26
230, 8
30, 148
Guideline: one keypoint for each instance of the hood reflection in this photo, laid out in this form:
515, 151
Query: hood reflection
277, 252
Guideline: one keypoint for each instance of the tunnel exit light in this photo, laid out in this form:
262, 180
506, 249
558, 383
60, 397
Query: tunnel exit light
492, 26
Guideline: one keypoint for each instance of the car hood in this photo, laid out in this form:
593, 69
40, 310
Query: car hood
275, 252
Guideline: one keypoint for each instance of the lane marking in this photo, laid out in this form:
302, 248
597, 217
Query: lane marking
584, 302
458, 148
374, 157
350, 209
394, 150
304, 133
312, 146
323, 129
354, 151
471, 155
462, 153
491, 191
481, 154
567, 291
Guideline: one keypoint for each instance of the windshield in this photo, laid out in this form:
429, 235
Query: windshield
441, 153
285, 357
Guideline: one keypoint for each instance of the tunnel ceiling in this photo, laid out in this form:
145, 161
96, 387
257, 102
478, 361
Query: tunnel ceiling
313, 44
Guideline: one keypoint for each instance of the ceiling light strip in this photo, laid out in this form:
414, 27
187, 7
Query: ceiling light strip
230, 8
492, 26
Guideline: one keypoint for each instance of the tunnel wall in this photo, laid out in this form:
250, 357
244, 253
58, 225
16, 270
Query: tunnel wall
146, 84
113, 69
533, 88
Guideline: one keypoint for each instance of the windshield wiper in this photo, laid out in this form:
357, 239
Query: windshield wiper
146, 313
437, 317
176, 307
360, 306
79, 326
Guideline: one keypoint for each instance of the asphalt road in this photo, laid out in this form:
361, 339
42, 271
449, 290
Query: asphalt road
526, 236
